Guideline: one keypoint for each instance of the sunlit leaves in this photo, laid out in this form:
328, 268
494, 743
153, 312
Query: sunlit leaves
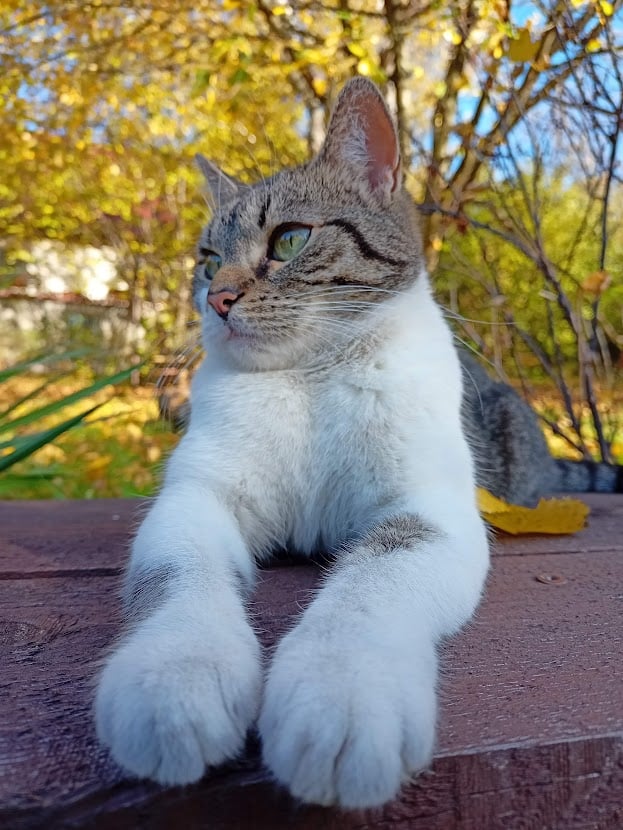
104, 105
522, 48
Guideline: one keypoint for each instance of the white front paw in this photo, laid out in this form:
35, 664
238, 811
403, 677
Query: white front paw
169, 706
347, 723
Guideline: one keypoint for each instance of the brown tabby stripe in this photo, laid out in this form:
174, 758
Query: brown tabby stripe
402, 532
229, 221
365, 248
349, 282
147, 590
328, 259
262, 220
261, 272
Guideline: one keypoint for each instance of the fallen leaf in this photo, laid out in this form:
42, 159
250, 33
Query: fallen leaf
552, 516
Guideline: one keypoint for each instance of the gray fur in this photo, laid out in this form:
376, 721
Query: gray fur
364, 247
512, 457
145, 591
402, 532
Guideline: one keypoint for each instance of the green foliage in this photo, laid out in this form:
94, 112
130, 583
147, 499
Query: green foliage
117, 452
27, 424
489, 279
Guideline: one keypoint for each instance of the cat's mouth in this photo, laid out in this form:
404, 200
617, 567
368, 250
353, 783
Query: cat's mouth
238, 331
232, 334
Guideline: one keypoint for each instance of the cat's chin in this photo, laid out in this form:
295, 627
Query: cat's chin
252, 352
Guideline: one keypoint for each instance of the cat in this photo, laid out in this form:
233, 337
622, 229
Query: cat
328, 415
511, 454
512, 457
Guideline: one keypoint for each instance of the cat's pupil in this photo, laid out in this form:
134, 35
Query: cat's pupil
288, 243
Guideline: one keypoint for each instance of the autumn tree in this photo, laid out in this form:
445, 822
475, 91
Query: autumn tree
508, 114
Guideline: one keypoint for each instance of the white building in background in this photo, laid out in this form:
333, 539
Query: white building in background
63, 299
58, 268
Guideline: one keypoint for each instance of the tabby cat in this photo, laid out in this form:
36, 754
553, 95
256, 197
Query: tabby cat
327, 416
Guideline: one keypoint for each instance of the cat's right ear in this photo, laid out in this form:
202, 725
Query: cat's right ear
362, 137
221, 188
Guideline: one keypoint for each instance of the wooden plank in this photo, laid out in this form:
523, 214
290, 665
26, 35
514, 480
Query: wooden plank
531, 722
74, 536
603, 531
54, 537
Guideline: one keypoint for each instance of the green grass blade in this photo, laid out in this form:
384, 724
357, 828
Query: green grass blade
17, 441
43, 438
57, 406
35, 475
18, 368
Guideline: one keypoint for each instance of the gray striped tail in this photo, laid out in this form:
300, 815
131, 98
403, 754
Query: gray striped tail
589, 476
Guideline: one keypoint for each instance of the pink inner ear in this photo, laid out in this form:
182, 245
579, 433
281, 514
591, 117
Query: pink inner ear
381, 145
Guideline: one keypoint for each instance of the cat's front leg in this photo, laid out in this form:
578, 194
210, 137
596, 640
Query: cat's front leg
350, 701
182, 687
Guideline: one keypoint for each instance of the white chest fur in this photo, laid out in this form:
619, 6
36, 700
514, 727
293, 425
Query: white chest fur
311, 458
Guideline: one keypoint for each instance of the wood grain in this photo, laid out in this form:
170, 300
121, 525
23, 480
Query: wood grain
531, 722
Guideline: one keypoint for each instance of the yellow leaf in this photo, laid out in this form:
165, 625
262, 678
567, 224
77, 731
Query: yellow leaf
452, 36
553, 516
607, 8
97, 466
320, 86
596, 283
594, 45
522, 48
154, 453
356, 49
134, 431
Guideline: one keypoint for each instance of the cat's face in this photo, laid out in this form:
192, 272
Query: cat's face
292, 267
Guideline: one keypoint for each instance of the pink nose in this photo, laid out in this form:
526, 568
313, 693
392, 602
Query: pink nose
223, 300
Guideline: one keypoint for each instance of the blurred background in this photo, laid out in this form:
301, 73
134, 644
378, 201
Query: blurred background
509, 114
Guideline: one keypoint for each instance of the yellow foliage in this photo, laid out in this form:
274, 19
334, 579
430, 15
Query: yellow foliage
550, 516
522, 48
596, 282
118, 451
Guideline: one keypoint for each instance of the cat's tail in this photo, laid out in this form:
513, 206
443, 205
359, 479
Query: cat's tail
588, 477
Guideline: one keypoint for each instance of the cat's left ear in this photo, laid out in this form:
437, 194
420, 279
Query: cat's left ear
221, 188
362, 136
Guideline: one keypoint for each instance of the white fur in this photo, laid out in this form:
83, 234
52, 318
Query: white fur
310, 458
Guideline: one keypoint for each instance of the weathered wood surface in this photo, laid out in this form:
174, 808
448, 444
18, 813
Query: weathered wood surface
531, 722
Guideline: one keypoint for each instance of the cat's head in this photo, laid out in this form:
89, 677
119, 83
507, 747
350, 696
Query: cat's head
294, 265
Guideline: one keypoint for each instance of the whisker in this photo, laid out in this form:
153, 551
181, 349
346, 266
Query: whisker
453, 315
474, 350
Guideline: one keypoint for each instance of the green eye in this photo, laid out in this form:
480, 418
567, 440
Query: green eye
288, 242
212, 262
